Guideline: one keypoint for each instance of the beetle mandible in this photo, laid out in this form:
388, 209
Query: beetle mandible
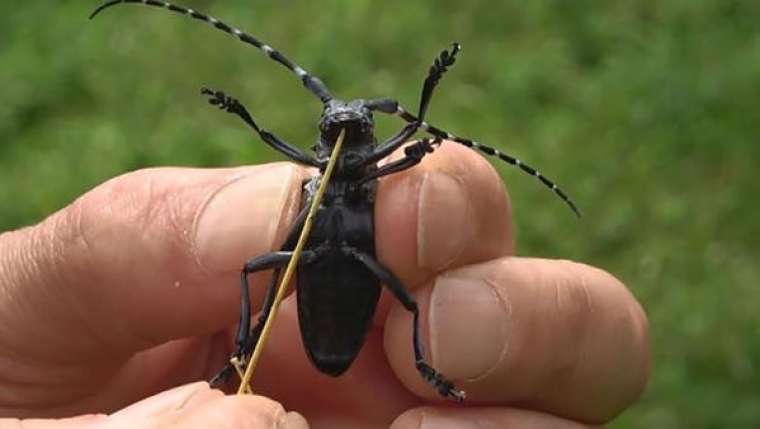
339, 277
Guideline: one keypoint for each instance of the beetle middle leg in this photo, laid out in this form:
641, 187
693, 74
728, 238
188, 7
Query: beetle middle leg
413, 154
246, 337
244, 333
443, 386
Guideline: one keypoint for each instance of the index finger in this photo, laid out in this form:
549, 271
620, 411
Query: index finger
549, 335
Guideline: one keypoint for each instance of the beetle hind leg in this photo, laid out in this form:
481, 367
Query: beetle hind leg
436, 379
247, 337
445, 387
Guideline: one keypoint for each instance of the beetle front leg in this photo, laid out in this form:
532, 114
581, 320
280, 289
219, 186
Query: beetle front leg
440, 66
443, 386
232, 105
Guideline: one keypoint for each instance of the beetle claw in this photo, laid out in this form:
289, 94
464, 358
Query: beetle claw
221, 377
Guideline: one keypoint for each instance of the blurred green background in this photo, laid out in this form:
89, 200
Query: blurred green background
645, 112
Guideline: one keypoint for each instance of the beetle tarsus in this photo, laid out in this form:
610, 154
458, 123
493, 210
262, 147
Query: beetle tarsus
223, 101
443, 386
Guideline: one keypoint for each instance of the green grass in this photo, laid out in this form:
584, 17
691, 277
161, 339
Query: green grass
647, 113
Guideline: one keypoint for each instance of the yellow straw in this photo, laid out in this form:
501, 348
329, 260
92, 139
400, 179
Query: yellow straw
245, 382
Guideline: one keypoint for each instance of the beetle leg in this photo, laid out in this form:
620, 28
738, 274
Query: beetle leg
443, 386
247, 337
439, 67
244, 335
232, 105
270, 260
413, 154
387, 147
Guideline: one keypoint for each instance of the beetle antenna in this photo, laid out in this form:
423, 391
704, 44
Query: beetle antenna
439, 67
312, 83
490, 151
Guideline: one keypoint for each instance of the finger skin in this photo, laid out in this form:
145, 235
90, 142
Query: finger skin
481, 418
122, 263
186, 407
449, 211
198, 406
547, 335
235, 412
130, 266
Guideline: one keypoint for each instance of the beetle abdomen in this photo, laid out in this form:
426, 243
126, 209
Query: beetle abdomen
336, 302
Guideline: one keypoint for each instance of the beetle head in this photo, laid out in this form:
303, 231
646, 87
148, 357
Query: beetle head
353, 116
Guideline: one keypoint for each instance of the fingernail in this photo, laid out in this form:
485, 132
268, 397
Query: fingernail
443, 227
243, 217
469, 327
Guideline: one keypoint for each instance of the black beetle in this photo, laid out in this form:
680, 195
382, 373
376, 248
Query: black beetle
339, 278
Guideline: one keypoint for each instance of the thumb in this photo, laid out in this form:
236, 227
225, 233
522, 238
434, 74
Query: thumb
144, 258
186, 407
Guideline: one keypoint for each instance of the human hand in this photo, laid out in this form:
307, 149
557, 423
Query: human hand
133, 289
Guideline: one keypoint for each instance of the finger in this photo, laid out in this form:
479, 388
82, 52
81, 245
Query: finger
553, 336
90, 421
198, 406
487, 417
224, 412
144, 258
448, 211
191, 406
164, 403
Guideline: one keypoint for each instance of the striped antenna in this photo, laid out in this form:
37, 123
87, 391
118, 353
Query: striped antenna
312, 83
488, 150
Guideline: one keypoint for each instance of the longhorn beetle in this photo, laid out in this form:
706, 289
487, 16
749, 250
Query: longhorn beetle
339, 277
